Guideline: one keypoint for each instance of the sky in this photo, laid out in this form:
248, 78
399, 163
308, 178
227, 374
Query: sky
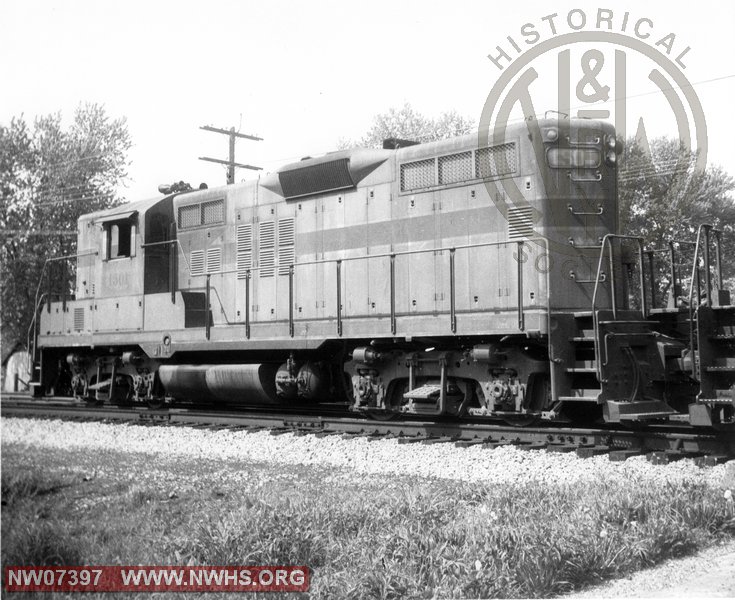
303, 75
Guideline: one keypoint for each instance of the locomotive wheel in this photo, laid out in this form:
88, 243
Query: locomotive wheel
394, 397
539, 395
123, 395
155, 403
521, 420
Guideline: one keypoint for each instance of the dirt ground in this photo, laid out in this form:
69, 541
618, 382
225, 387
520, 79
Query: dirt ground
710, 574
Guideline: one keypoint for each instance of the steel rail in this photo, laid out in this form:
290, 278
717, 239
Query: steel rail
662, 444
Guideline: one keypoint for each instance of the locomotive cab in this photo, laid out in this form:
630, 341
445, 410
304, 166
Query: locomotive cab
123, 266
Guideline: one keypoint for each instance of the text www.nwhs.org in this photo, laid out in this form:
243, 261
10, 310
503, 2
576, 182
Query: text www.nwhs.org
157, 579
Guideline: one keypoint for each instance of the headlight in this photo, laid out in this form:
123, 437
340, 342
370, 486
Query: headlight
552, 134
611, 158
611, 142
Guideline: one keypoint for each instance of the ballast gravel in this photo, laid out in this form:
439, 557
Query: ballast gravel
501, 465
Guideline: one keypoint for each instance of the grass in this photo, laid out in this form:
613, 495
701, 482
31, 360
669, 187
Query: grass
374, 537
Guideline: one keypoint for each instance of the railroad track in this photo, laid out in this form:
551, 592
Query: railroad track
661, 444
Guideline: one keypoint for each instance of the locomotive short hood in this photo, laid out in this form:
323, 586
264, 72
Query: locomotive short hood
339, 170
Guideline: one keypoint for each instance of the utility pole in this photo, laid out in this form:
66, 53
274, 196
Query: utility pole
231, 164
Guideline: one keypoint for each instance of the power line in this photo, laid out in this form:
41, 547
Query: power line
75, 160
37, 232
105, 196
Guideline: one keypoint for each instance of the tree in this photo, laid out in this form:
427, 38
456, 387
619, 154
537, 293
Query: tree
663, 197
49, 176
406, 123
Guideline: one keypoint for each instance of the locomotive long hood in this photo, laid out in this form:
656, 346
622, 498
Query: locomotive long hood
334, 171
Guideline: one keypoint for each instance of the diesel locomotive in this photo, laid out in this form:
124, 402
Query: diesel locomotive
463, 278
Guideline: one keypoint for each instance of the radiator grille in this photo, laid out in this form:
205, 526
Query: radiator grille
496, 160
205, 213
78, 319
189, 216
213, 212
417, 175
455, 168
520, 222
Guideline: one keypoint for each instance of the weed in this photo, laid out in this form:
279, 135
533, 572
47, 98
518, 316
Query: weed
34, 542
363, 537
21, 485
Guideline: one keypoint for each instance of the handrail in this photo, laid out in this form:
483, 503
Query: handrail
210, 289
606, 242
371, 256
706, 228
39, 297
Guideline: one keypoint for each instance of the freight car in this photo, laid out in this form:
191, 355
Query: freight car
466, 277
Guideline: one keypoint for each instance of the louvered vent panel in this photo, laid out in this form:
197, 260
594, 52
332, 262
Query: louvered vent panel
78, 319
496, 160
286, 232
267, 234
244, 250
455, 168
213, 212
267, 242
417, 175
196, 262
520, 222
244, 238
267, 262
190, 216
286, 238
244, 262
214, 260
286, 258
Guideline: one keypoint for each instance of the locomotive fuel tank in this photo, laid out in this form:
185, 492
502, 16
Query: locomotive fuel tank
234, 384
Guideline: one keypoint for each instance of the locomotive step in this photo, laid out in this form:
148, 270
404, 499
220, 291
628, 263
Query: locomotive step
583, 393
722, 365
645, 416
647, 324
592, 399
425, 392
726, 398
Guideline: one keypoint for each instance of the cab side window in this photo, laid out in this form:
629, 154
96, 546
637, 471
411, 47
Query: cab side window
119, 239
